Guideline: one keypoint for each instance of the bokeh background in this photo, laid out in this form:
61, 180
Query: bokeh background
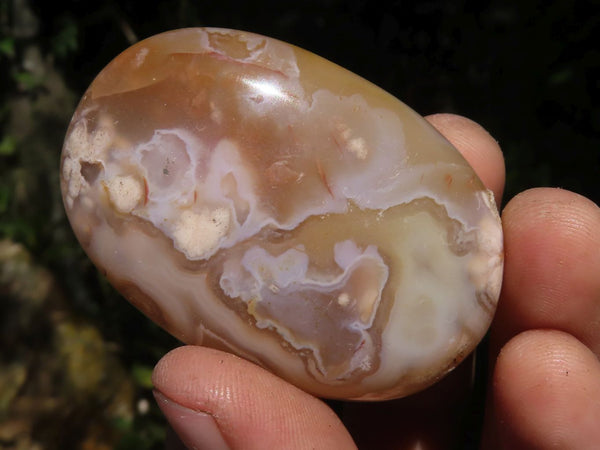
76, 359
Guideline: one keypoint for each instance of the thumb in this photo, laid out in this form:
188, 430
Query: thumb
214, 400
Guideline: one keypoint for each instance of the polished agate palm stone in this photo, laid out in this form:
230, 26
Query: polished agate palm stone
250, 196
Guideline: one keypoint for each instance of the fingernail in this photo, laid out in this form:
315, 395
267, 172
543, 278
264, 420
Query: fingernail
196, 429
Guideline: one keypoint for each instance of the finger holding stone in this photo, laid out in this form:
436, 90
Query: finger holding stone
216, 400
477, 146
545, 394
552, 263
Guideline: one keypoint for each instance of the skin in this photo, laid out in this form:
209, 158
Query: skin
544, 383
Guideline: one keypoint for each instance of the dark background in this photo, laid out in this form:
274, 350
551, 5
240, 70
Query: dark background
72, 351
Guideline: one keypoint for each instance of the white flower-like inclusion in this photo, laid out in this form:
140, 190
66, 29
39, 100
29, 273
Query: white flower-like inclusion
248, 195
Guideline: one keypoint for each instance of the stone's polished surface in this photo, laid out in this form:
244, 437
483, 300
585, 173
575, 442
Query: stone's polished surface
251, 196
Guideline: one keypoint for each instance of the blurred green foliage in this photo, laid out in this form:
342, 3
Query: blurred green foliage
527, 71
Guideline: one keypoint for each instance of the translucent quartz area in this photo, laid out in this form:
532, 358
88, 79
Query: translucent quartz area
251, 196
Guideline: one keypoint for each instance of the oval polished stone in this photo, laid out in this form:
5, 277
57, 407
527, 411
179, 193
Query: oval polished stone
251, 196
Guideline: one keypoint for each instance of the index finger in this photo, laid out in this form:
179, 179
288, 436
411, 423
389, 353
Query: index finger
477, 146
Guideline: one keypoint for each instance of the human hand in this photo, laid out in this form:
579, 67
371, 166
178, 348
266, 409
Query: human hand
544, 388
